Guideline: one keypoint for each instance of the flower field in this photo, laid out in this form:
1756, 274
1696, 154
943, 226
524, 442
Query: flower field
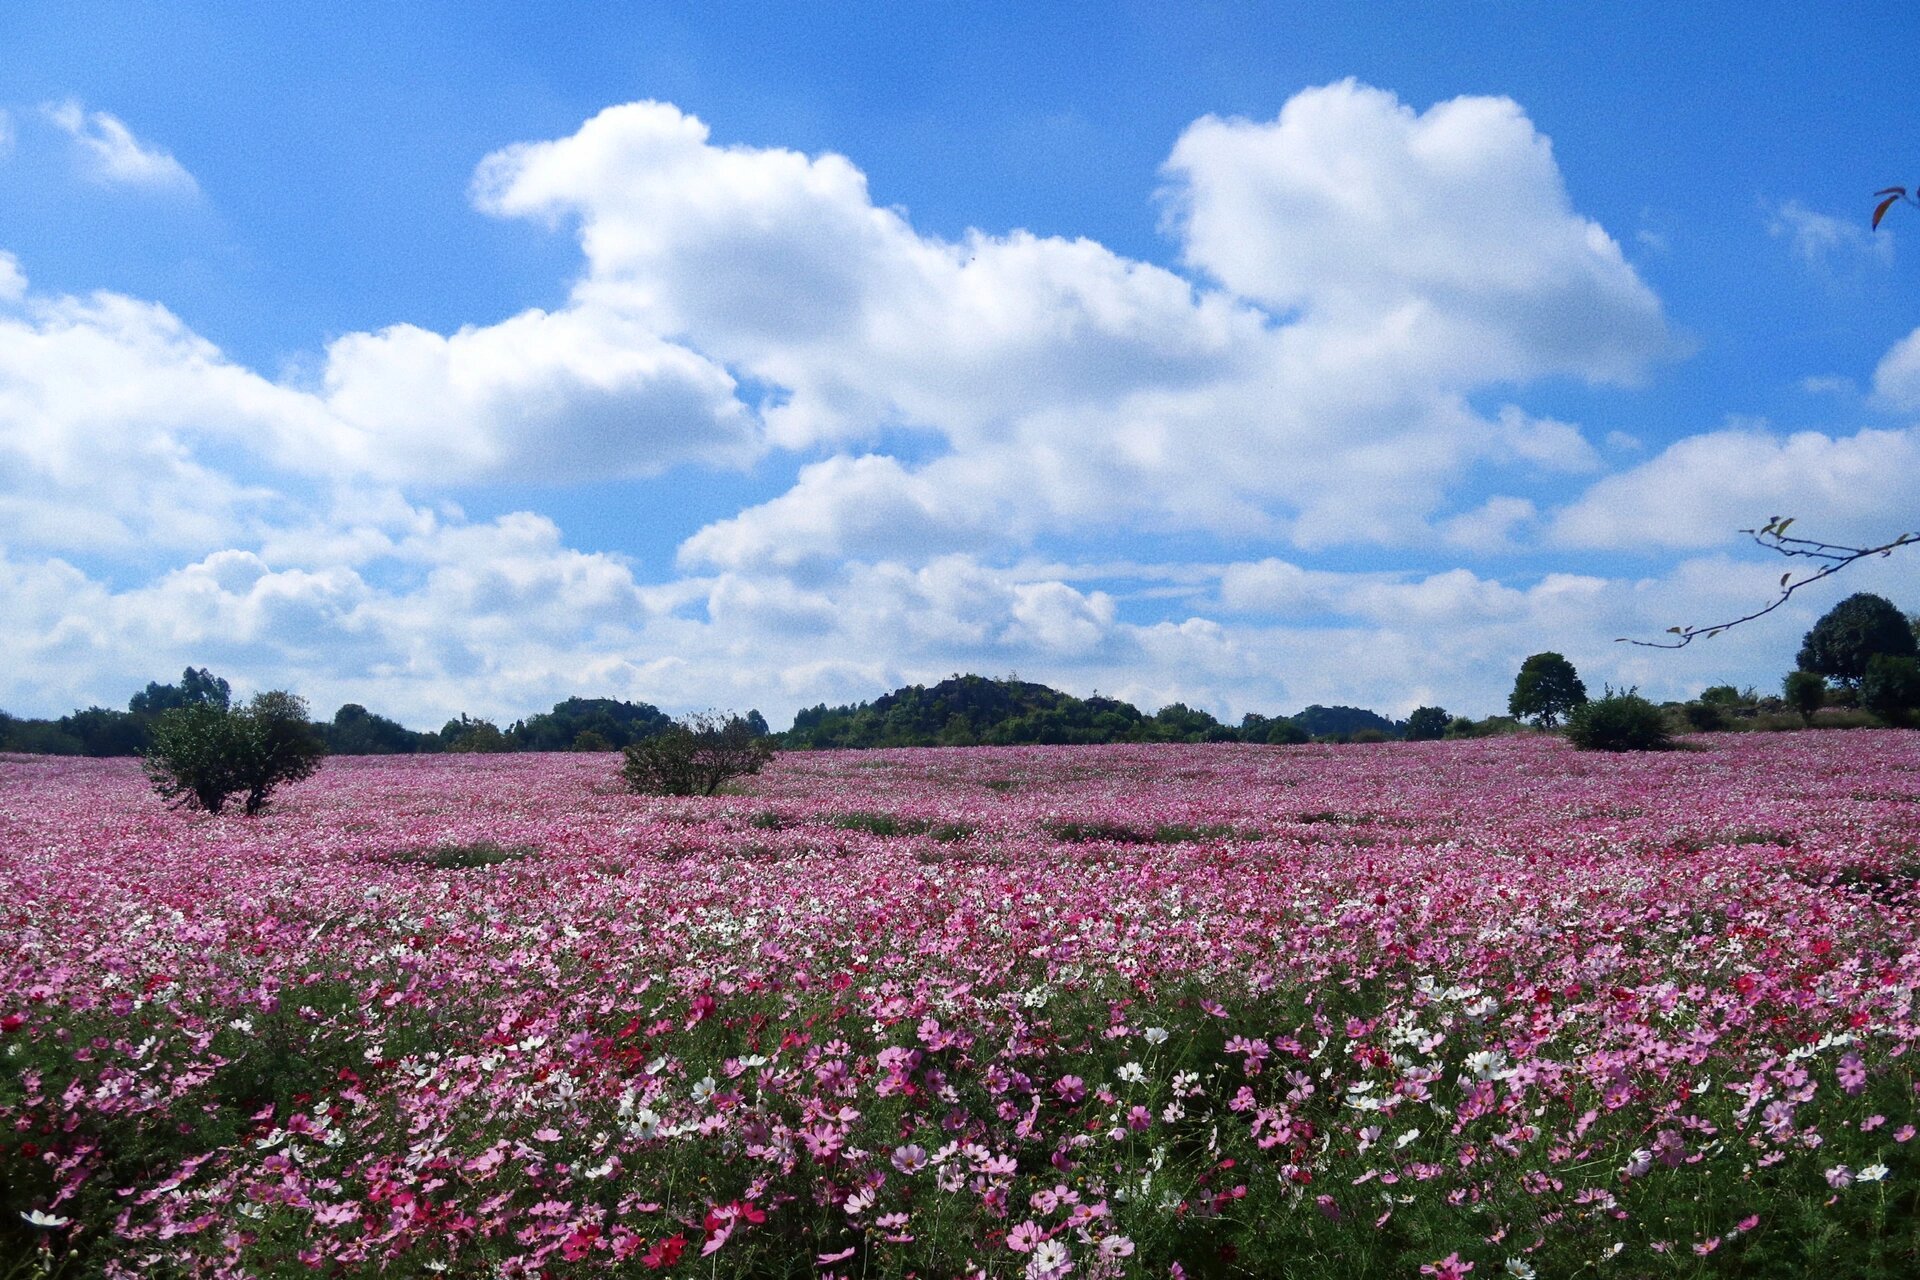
1437, 1009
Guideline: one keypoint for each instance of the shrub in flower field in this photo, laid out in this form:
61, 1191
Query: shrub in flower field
1488, 1007
204, 752
696, 756
1623, 721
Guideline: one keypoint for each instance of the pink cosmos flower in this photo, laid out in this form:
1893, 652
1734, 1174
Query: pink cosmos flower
1024, 1237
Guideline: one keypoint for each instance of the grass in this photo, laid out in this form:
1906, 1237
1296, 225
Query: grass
461, 857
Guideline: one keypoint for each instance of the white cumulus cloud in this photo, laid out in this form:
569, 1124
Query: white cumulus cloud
1452, 223
1896, 380
1698, 491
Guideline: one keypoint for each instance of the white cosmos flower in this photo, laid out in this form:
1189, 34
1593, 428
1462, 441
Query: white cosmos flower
1048, 1256
35, 1218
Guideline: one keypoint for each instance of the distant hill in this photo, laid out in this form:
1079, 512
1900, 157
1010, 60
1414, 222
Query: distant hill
965, 710
1344, 722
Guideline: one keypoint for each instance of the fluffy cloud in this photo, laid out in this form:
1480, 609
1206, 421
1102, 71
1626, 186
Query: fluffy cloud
110, 410
781, 264
1315, 397
563, 396
1699, 490
1896, 380
112, 155
1452, 224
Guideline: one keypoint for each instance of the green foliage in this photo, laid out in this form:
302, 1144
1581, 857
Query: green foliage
1891, 688
1344, 723
1622, 721
615, 722
1806, 693
462, 857
696, 756
1546, 690
1848, 636
474, 736
1177, 722
1427, 724
1705, 716
964, 710
197, 686
101, 731
204, 753
591, 740
356, 731
1275, 731
884, 825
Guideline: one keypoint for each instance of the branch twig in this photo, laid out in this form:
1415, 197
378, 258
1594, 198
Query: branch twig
1773, 536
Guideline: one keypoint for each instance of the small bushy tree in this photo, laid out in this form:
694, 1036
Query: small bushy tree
203, 753
1622, 721
696, 756
1427, 724
1705, 716
475, 736
1546, 690
1891, 688
1806, 692
1847, 637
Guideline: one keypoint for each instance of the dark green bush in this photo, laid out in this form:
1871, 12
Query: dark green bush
1891, 688
1806, 692
696, 756
203, 753
1622, 721
1705, 716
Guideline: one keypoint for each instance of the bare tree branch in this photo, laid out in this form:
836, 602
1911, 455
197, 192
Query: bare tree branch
1831, 557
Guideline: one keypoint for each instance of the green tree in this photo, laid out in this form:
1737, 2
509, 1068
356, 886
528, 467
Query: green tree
356, 731
1547, 689
1848, 636
696, 756
1427, 724
1891, 687
203, 753
197, 685
467, 735
1806, 692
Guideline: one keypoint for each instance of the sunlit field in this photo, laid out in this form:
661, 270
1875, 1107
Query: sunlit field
1496, 1007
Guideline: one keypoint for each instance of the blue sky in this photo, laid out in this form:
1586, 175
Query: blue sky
459, 358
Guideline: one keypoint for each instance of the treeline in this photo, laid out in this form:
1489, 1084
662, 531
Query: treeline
958, 711
577, 724
965, 710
